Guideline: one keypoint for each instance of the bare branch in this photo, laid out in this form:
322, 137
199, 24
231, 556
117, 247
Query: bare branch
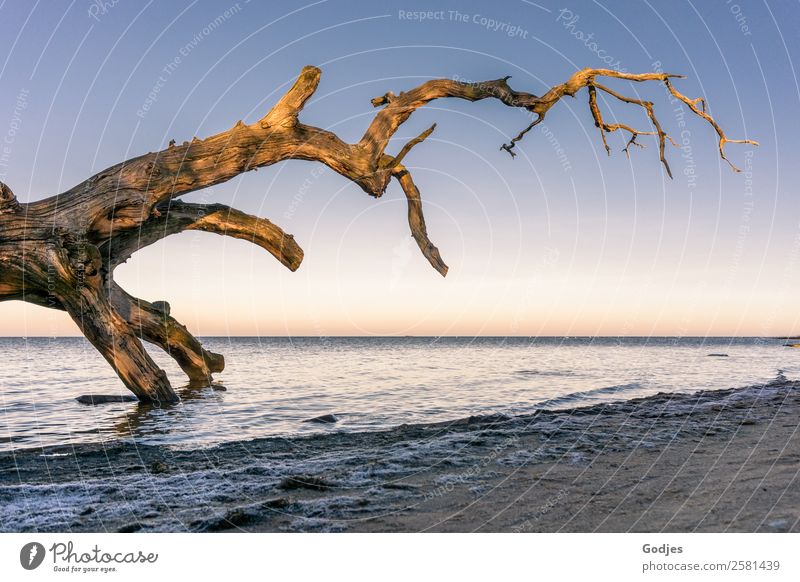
399, 108
509, 147
692, 103
407, 148
130, 194
416, 221
178, 216
289, 106
153, 322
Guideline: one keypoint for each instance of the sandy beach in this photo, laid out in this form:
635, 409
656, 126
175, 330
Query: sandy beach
741, 474
725, 460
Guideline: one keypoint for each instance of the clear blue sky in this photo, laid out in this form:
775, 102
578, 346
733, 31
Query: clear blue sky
569, 242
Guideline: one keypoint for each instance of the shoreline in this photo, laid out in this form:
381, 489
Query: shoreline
723, 460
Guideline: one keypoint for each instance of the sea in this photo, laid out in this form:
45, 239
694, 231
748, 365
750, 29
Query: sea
273, 386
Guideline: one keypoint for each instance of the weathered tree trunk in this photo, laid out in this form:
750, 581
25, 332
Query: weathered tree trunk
61, 252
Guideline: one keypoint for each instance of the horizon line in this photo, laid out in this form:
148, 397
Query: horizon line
429, 336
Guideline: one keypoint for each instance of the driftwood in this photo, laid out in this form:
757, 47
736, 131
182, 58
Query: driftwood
61, 252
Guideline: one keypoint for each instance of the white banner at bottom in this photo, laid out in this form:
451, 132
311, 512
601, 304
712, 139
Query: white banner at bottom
355, 557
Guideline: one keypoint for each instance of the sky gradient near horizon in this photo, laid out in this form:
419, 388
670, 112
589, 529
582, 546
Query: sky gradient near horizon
561, 240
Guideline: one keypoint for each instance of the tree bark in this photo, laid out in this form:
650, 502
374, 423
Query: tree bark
61, 252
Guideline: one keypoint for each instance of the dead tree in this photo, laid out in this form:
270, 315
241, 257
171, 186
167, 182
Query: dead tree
61, 252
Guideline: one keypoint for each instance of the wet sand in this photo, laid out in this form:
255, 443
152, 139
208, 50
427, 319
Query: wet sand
708, 461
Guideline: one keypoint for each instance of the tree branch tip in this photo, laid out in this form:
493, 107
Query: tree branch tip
395, 162
742, 141
427, 132
295, 265
384, 99
508, 147
311, 70
309, 75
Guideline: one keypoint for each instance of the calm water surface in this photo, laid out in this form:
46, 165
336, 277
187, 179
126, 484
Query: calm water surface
274, 384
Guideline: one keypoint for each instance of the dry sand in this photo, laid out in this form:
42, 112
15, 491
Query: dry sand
747, 481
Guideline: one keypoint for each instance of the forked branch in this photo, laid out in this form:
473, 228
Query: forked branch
61, 252
150, 183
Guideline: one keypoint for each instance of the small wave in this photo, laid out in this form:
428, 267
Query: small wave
544, 372
578, 396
